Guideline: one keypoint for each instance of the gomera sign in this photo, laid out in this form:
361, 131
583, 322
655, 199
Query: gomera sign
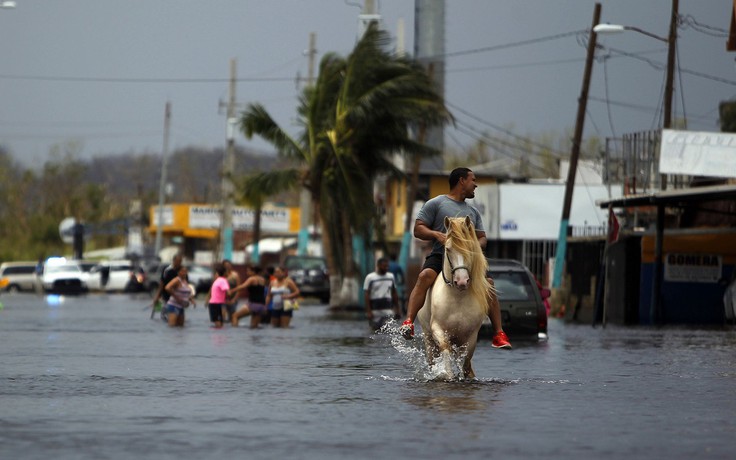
692, 268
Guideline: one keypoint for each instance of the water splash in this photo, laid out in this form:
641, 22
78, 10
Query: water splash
412, 351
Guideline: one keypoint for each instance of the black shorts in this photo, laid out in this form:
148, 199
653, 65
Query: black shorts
215, 312
434, 261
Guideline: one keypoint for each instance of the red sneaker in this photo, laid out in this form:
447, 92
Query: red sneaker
407, 330
501, 340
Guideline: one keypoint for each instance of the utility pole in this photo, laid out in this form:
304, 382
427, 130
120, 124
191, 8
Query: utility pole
655, 308
368, 16
228, 166
575, 153
305, 198
669, 84
162, 182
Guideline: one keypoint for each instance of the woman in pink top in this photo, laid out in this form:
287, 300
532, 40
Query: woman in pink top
218, 295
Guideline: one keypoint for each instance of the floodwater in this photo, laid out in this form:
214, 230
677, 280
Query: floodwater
94, 378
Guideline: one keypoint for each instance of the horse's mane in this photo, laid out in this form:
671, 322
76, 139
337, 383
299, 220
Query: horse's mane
464, 240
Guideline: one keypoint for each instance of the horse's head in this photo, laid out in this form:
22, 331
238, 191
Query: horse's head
459, 252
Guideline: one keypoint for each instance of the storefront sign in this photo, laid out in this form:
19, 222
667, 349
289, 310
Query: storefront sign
697, 153
208, 217
167, 218
693, 268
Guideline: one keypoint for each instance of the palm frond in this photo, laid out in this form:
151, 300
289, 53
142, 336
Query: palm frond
256, 120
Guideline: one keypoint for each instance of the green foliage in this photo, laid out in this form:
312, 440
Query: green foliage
98, 191
354, 118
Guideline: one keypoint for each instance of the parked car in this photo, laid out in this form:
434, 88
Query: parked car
110, 275
523, 313
201, 277
19, 276
310, 275
63, 277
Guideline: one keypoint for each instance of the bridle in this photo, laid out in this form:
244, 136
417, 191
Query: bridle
453, 270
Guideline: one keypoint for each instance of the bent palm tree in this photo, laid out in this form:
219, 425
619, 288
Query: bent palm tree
353, 119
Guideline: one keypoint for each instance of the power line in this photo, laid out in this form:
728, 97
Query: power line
531, 41
141, 80
661, 66
645, 109
503, 130
494, 141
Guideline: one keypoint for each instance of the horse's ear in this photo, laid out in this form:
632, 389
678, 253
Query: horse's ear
467, 221
447, 223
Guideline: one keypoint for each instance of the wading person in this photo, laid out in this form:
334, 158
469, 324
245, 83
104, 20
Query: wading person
218, 296
233, 279
255, 286
381, 297
167, 275
180, 296
280, 292
430, 226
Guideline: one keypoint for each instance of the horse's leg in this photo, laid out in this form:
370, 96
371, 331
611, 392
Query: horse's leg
444, 349
467, 365
468, 369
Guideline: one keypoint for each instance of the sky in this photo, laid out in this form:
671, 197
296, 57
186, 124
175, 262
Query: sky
94, 76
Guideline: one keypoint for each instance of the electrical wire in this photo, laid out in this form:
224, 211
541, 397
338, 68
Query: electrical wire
503, 130
689, 22
141, 80
494, 142
504, 46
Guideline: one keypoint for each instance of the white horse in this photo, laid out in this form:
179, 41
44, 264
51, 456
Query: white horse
457, 303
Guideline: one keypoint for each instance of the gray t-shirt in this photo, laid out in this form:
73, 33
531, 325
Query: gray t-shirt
434, 211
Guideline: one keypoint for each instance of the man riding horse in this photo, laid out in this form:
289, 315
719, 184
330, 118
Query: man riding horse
429, 226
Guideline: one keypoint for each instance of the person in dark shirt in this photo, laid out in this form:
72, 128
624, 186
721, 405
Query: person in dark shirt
167, 275
255, 284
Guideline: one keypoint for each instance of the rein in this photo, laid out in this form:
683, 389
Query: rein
453, 270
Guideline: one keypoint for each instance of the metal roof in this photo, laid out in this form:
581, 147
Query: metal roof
672, 198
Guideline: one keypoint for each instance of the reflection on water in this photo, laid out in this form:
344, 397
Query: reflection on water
457, 397
93, 377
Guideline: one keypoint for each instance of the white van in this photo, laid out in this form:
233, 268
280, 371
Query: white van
110, 275
19, 276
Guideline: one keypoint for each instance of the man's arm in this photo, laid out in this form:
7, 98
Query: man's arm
482, 239
423, 232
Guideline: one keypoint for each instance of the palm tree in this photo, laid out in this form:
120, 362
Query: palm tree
354, 117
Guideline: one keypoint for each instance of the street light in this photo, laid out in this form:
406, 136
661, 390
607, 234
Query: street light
8, 4
670, 40
616, 29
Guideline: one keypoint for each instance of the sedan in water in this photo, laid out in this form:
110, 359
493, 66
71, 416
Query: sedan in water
310, 275
523, 312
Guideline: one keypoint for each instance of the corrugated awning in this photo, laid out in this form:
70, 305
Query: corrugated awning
672, 198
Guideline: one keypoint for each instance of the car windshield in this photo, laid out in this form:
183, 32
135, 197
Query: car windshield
305, 264
200, 270
513, 286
